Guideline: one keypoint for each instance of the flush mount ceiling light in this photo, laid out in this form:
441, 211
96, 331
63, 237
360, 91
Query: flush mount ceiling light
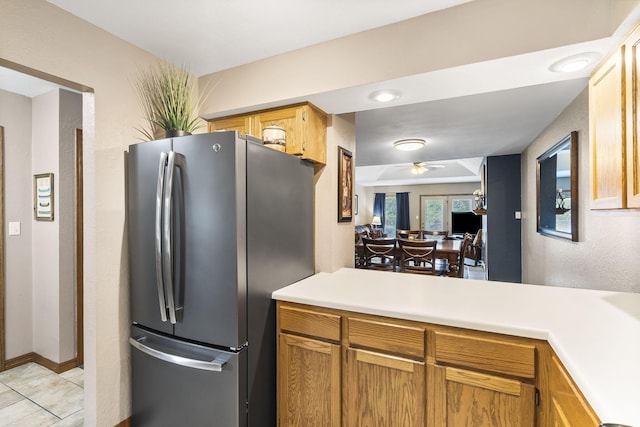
385, 95
574, 63
410, 144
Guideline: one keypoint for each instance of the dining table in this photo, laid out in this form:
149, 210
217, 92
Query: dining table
447, 249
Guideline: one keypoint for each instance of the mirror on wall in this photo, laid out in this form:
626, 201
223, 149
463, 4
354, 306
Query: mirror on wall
557, 189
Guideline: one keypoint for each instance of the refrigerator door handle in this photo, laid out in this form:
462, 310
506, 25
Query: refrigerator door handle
145, 346
167, 236
158, 236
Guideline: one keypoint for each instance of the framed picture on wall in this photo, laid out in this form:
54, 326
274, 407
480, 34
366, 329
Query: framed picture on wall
345, 185
43, 208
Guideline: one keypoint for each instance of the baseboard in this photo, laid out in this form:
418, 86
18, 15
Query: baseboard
125, 423
42, 361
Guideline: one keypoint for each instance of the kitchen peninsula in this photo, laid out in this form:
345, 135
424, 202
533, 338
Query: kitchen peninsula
445, 338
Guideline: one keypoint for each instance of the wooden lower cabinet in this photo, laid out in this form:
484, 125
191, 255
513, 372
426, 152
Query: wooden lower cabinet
338, 368
384, 390
308, 382
568, 407
467, 398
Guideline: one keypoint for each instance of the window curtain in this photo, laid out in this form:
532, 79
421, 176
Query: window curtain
378, 206
403, 221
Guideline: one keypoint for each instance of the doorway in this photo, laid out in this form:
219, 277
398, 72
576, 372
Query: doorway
74, 184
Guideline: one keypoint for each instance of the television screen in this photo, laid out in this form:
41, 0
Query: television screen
465, 222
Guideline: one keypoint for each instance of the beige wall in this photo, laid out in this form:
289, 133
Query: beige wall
334, 240
15, 116
38, 35
604, 258
55, 117
477, 31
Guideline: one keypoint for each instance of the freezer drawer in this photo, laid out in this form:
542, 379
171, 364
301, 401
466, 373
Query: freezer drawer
177, 383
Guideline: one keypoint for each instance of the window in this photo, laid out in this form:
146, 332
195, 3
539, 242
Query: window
435, 211
390, 216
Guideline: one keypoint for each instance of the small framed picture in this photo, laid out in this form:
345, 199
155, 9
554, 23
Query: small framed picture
43, 208
345, 185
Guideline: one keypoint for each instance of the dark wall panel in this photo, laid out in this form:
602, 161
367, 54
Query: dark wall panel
504, 249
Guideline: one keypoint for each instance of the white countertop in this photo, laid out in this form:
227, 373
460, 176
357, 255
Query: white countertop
596, 334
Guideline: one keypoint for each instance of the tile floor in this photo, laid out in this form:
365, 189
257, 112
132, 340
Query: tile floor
33, 396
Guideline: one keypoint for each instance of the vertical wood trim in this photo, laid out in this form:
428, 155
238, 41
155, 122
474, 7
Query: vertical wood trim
79, 250
2, 312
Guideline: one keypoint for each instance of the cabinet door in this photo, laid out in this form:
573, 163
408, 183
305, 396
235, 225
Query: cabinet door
384, 391
472, 399
633, 119
607, 134
308, 382
242, 124
568, 407
290, 119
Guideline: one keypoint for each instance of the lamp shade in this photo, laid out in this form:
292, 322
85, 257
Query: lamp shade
376, 220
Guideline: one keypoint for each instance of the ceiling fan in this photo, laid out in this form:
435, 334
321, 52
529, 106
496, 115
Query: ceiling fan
418, 168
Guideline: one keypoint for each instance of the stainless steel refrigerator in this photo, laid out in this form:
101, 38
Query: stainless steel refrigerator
216, 222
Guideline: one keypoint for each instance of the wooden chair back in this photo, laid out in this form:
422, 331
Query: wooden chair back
379, 254
426, 233
417, 256
466, 242
408, 234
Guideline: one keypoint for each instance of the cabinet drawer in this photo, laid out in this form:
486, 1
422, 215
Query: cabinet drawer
311, 323
394, 338
488, 354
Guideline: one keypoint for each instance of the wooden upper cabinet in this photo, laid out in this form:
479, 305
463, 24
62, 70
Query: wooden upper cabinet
305, 126
242, 124
631, 50
607, 133
614, 122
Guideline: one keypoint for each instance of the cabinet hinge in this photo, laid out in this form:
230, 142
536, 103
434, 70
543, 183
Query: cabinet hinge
304, 116
537, 397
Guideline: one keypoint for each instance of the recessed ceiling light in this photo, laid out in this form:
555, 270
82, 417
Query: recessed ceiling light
385, 95
410, 144
574, 63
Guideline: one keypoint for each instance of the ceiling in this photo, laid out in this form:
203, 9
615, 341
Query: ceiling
464, 113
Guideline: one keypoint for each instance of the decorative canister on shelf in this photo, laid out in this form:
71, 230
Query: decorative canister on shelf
274, 137
479, 199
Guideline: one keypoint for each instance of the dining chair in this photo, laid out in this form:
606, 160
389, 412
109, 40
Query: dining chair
379, 254
408, 234
417, 256
464, 246
440, 233
474, 251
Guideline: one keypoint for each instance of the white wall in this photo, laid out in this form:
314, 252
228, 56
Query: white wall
15, 116
605, 257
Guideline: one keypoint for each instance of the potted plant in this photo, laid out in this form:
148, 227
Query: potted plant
166, 95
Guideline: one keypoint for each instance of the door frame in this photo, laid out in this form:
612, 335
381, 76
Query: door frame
2, 322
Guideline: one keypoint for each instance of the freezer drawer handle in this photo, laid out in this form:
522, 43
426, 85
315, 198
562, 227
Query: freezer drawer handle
214, 365
158, 236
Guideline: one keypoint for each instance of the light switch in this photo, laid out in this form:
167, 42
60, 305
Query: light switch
518, 215
14, 228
